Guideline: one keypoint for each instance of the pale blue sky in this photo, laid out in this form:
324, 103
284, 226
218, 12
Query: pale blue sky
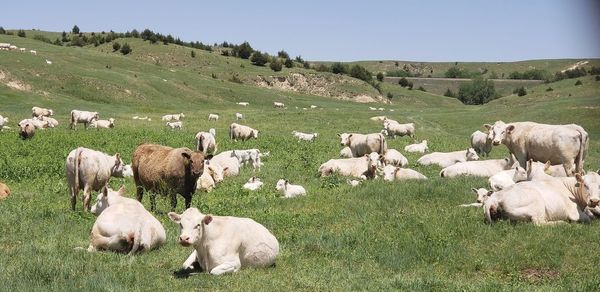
461, 30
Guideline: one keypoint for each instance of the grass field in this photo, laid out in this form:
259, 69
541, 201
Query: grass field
378, 236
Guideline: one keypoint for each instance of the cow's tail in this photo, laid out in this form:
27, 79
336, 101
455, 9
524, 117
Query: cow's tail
382, 144
583, 145
136, 240
76, 162
442, 172
231, 132
72, 119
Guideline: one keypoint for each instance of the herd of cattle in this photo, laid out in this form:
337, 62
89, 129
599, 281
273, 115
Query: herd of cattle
542, 181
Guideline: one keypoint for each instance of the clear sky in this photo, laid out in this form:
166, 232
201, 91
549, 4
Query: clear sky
458, 30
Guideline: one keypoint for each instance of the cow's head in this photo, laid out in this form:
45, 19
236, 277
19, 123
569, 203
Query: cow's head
499, 131
345, 138
472, 155
520, 172
103, 200
51, 112
215, 170
255, 134
195, 161
481, 194
589, 184
389, 172
281, 185
118, 166
192, 225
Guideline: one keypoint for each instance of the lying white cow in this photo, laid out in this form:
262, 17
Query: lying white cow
346, 152
90, 170
174, 125
394, 128
546, 202
362, 144
445, 159
391, 173
241, 132
224, 244
305, 136
103, 124
278, 104
289, 190
418, 148
483, 168
482, 194
52, 122
212, 175
361, 167
229, 163
41, 112
205, 142
243, 103
507, 178
395, 158
546, 169
36, 123
173, 117
124, 225
559, 144
3, 121
378, 118
84, 117
213, 117
253, 184
481, 142
238, 116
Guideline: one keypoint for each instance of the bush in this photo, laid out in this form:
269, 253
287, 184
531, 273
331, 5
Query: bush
77, 41
390, 95
549, 89
398, 73
2, 31
57, 42
403, 82
244, 51
594, 71
377, 86
283, 54
520, 91
578, 83
574, 73
339, 68
380, 77
361, 73
533, 74
225, 53
597, 77
75, 29
421, 89
236, 79
306, 65
213, 75
258, 58
323, 68
42, 38
276, 65
116, 46
21, 33
449, 93
289, 63
456, 72
125, 49
410, 85
193, 54
478, 91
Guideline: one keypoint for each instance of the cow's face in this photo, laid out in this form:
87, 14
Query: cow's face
374, 159
195, 161
590, 184
498, 132
216, 171
472, 155
481, 194
103, 202
118, 166
389, 172
345, 138
281, 184
255, 134
191, 225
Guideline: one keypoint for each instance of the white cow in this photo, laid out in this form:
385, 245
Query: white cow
361, 167
213, 132
394, 128
362, 144
206, 143
546, 202
445, 159
173, 117
391, 173
535, 168
378, 118
418, 147
238, 116
84, 117
124, 225
313, 106
278, 104
483, 168
305, 136
246, 156
507, 178
346, 152
213, 117
372, 108
33, 52
90, 170
559, 144
242, 103
36, 123
229, 163
253, 184
103, 124
354, 182
174, 125
39, 112
22, 50
481, 142
224, 244
212, 175
237, 131
482, 194
289, 190
3, 121
52, 122
395, 158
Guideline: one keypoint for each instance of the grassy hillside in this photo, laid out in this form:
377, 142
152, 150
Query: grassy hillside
378, 236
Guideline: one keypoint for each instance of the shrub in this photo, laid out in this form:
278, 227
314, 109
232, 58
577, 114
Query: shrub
125, 49
77, 41
361, 73
533, 74
244, 51
116, 46
276, 65
2, 31
42, 38
390, 95
594, 71
396, 64
339, 68
306, 65
283, 54
193, 54
549, 89
213, 75
380, 76
574, 73
258, 58
520, 91
403, 82
578, 83
299, 59
236, 79
225, 53
410, 85
456, 72
21, 33
478, 91
421, 89
57, 42
75, 29
597, 77
449, 93
377, 86
323, 68
289, 63
153, 39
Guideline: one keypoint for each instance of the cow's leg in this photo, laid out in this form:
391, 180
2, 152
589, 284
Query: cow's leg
188, 200
140, 193
227, 267
74, 192
569, 167
152, 201
86, 198
189, 262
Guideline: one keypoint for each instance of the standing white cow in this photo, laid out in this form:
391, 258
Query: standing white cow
213, 117
173, 117
41, 112
90, 170
445, 159
559, 144
362, 144
175, 125
237, 131
206, 143
278, 104
124, 225
84, 117
481, 142
394, 128
238, 116
224, 244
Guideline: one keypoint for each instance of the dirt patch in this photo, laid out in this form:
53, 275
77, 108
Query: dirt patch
13, 83
539, 274
575, 66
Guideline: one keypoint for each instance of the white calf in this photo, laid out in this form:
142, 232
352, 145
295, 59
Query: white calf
289, 190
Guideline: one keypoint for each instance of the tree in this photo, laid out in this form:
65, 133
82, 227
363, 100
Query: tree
153, 39
75, 29
283, 54
410, 85
193, 54
116, 46
339, 68
2, 31
126, 49
299, 59
289, 63
146, 33
520, 91
403, 82
478, 91
258, 58
578, 83
245, 51
359, 72
380, 77
21, 33
135, 33
276, 65
456, 72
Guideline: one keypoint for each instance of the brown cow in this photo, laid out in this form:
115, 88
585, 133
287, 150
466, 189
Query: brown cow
4, 191
166, 170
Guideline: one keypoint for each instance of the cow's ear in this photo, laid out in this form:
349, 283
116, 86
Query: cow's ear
207, 219
339, 135
510, 128
349, 136
174, 217
489, 193
105, 191
515, 165
118, 157
207, 158
122, 190
186, 155
487, 126
474, 190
